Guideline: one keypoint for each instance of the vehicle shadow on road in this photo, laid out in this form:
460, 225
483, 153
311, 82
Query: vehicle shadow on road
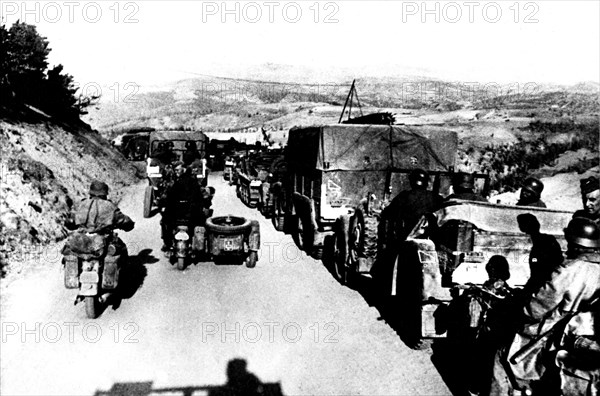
132, 275
240, 382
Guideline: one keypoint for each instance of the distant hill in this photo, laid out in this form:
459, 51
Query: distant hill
273, 94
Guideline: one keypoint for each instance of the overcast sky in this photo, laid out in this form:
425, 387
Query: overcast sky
151, 42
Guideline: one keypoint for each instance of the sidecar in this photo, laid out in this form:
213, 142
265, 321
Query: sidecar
226, 238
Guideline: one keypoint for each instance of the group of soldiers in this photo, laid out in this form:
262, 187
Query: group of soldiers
541, 339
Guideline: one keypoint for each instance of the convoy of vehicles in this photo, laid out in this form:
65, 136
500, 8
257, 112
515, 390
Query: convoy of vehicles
337, 179
328, 191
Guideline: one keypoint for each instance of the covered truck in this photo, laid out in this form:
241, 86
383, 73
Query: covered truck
333, 169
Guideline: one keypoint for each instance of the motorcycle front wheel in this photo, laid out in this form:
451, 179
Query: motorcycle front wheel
181, 263
91, 307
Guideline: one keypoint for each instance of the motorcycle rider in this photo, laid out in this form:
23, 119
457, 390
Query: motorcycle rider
182, 201
590, 193
98, 215
573, 285
531, 193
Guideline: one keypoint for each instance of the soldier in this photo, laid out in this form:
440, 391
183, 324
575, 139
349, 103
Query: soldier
590, 193
408, 206
545, 255
531, 193
98, 215
463, 185
183, 201
191, 153
574, 284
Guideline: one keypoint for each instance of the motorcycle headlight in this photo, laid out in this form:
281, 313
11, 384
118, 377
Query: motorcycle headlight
182, 236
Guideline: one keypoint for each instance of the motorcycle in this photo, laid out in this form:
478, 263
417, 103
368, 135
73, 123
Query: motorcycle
186, 245
92, 264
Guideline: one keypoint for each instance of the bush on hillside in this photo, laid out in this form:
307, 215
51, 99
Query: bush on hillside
26, 79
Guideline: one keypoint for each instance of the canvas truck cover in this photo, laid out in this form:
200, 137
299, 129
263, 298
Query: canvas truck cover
343, 147
180, 137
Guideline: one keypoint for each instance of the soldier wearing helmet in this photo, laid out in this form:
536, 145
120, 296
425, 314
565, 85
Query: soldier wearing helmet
408, 206
590, 194
463, 185
571, 287
98, 215
191, 153
182, 201
531, 193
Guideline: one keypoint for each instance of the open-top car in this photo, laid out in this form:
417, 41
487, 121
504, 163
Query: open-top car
450, 248
166, 148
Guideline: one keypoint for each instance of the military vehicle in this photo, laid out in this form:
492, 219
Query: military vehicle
448, 249
332, 169
253, 177
159, 172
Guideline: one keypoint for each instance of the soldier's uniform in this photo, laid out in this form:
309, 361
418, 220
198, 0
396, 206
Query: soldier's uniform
408, 206
183, 201
574, 284
98, 215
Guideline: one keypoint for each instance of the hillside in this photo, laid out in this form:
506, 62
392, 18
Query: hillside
508, 131
45, 167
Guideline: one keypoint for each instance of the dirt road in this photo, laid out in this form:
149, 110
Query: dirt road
176, 331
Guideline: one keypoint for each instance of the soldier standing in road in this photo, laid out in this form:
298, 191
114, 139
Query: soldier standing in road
574, 284
408, 206
590, 193
531, 193
463, 185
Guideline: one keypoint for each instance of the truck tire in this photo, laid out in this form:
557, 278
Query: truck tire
91, 307
277, 214
362, 243
297, 232
148, 197
228, 225
304, 235
251, 260
340, 250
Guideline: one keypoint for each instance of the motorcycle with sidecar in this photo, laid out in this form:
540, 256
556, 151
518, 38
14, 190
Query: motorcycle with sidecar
221, 238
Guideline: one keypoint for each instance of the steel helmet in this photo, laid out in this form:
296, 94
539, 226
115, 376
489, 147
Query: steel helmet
533, 185
418, 178
98, 189
464, 180
583, 232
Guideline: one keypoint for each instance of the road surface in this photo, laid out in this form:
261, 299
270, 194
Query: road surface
176, 332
